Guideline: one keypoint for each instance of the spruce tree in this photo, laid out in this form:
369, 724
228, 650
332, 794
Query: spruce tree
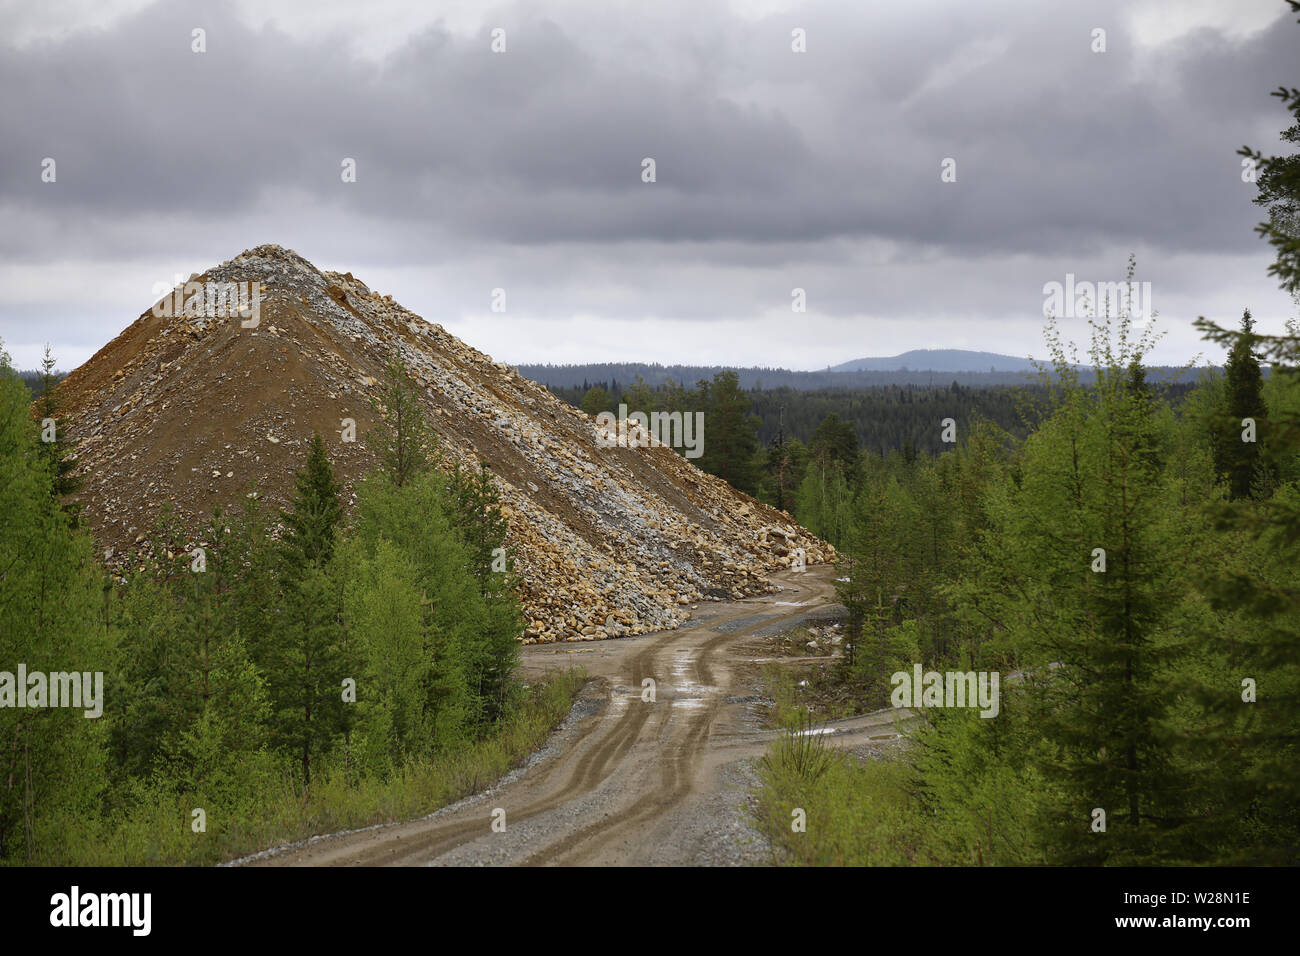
1265, 599
492, 657
305, 657
1278, 182
836, 439
730, 433
1243, 396
873, 585
54, 439
316, 510
406, 444
1096, 579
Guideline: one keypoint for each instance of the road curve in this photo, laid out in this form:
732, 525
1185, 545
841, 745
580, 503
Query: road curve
627, 780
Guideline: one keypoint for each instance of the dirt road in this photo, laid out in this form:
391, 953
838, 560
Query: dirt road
626, 780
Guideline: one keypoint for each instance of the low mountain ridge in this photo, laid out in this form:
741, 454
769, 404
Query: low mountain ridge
939, 360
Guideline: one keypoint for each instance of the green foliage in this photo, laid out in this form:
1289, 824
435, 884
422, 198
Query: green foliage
1239, 461
873, 585
153, 826
781, 471
730, 436
823, 500
597, 400
471, 617
54, 439
481, 528
403, 440
639, 397
1278, 183
854, 815
1126, 685
338, 675
304, 654
316, 511
835, 440
53, 761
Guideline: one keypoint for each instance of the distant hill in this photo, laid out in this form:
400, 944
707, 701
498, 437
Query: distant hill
939, 360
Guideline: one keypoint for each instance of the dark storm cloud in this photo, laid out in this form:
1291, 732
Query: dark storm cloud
1055, 146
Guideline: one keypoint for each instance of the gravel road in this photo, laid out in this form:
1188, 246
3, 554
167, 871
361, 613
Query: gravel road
625, 780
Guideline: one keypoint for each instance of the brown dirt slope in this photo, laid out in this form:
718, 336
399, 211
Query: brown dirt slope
196, 410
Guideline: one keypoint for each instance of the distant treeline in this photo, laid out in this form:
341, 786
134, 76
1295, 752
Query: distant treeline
655, 375
33, 380
885, 419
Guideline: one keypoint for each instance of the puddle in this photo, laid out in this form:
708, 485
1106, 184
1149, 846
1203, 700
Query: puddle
689, 703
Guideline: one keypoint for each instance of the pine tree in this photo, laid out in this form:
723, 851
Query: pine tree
304, 656
731, 434
1243, 396
596, 400
313, 521
406, 445
1096, 641
491, 659
54, 440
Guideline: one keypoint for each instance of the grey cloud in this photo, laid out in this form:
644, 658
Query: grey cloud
786, 163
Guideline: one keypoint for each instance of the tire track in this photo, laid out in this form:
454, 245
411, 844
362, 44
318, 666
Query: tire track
678, 767
675, 740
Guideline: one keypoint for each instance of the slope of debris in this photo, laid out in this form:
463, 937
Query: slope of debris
195, 410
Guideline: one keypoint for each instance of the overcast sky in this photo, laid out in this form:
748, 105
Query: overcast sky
522, 169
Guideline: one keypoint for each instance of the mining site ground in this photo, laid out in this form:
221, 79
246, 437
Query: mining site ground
625, 781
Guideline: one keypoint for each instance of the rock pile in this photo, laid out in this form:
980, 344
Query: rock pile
195, 410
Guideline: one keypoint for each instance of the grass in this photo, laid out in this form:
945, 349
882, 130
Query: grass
854, 814
157, 829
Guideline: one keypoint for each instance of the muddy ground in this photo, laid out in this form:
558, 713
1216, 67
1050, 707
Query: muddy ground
625, 780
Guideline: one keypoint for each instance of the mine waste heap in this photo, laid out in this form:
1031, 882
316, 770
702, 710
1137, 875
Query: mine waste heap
196, 410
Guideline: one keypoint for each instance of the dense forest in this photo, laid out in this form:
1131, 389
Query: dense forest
1131, 572
763, 442
1130, 568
